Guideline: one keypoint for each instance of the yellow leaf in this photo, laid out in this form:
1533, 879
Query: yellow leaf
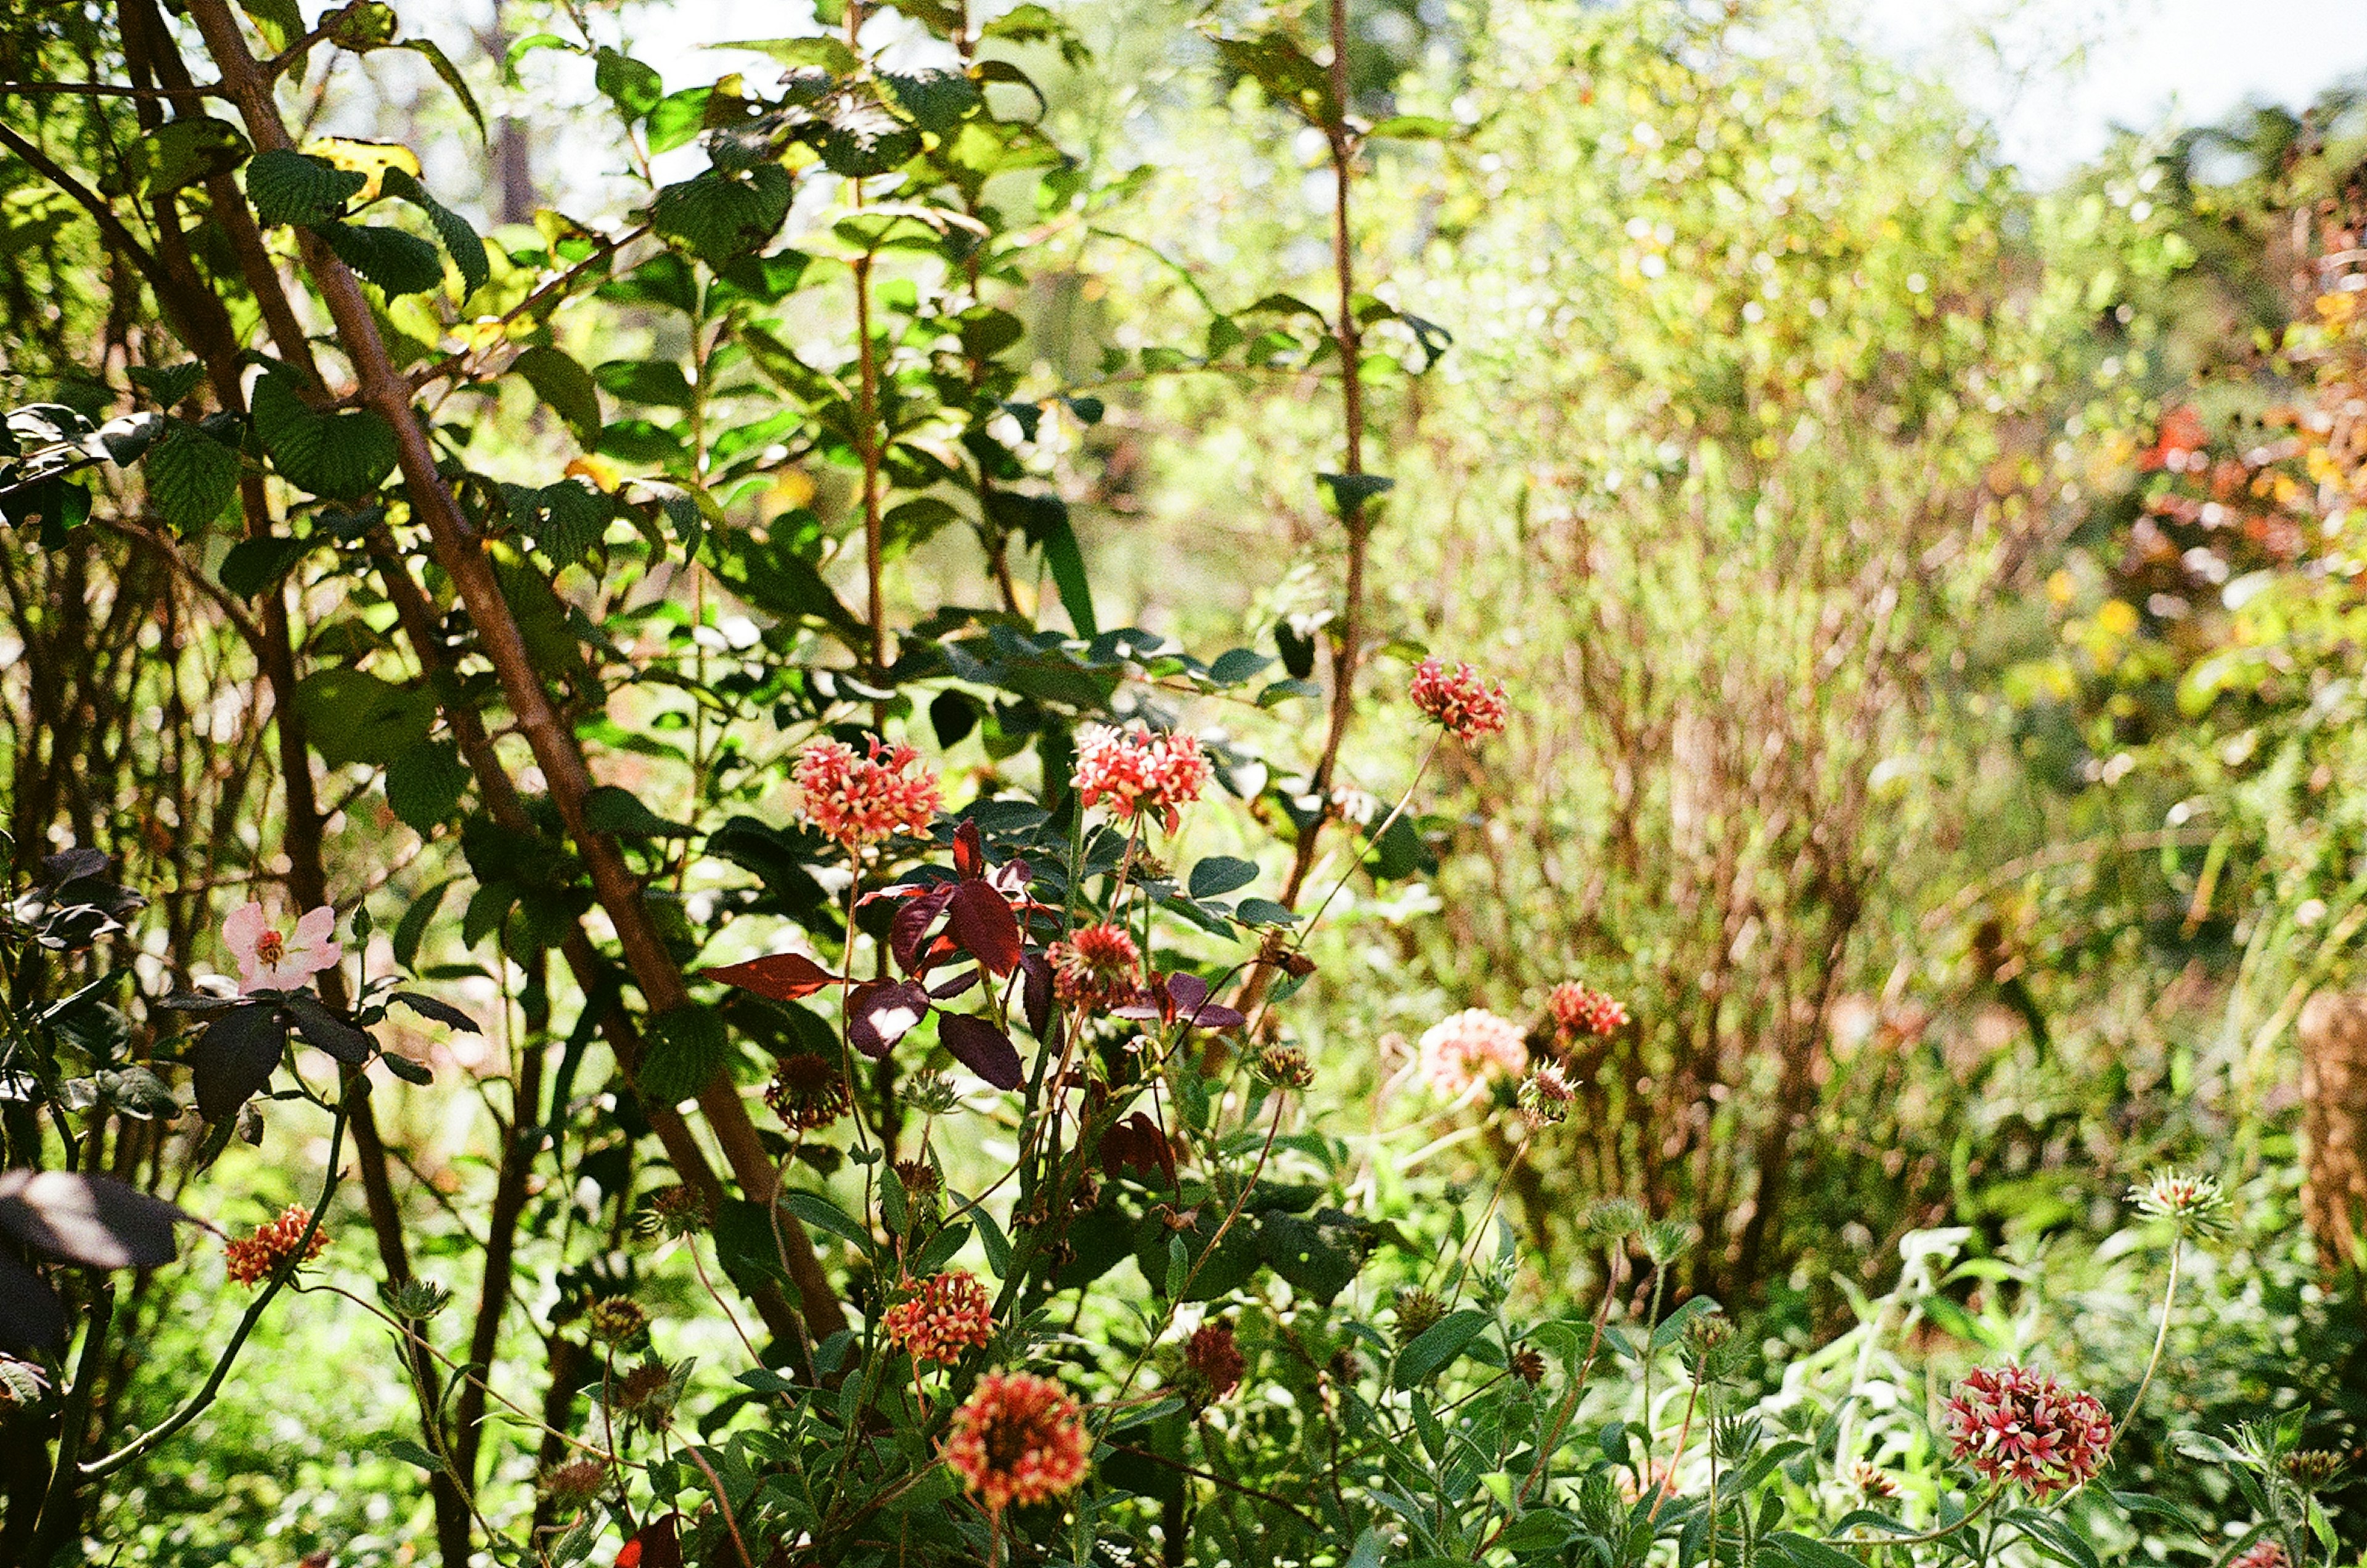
371, 158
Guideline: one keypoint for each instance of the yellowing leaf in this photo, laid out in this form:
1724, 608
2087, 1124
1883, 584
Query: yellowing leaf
370, 159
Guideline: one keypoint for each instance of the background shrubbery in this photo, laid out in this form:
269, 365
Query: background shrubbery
1924, 606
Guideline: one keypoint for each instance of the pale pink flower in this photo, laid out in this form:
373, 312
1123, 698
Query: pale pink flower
1136, 770
1460, 1050
270, 959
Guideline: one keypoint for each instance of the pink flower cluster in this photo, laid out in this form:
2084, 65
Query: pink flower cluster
1459, 1050
1459, 699
1018, 1439
2012, 1424
1137, 771
946, 1315
1095, 968
1580, 1008
860, 800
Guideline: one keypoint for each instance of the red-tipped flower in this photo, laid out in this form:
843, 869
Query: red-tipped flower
866, 800
1580, 1008
259, 1256
1460, 699
1096, 968
1018, 1439
2014, 1425
1138, 771
946, 1315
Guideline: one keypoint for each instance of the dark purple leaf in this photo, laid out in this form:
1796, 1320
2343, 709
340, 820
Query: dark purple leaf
988, 932
969, 853
1137, 1143
783, 976
1037, 992
910, 927
1189, 991
946, 990
70, 865
981, 1047
441, 1012
880, 1012
30, 1317
324, 1028
234, 1057
93, 1220
1214, 1016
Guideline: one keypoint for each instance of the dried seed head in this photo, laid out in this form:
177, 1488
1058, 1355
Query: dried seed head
808, 1091
614, 1319
1286, 1066
1529, 1365
672, 1212
575, 1483
1417, 1312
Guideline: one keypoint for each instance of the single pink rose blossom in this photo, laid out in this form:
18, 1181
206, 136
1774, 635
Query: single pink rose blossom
270, 959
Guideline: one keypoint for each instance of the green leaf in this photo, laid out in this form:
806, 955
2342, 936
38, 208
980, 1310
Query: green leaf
1289, 76
688, 1047
278, 21
254, 566
1416, 128
191, 477
1352, 490
424, 785
936, 101
362, 28
449, 74
816, 53
1237, 665
1436, 1346
718, 216
167, 384
351, 715
412, 930
341, 455
818, 1211
397, 262
1262, 912
656, 383
411, 1453
575, 517
295, 187
1066, 564
461, 241
633, 87
521, 47
184, 152
564, 384
1221, 874
678, 119
609, 809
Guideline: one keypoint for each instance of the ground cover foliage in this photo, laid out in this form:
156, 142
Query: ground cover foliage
1339, 783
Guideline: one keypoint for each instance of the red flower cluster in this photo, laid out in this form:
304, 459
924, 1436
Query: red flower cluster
260, 1256
1459, 699
859, 800
1139, 770
2264, 1555
1018, 1439
1096, 968
1581, 1008
2011, 1424
946, 1315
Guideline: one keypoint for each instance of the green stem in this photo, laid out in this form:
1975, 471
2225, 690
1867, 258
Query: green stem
61, 1510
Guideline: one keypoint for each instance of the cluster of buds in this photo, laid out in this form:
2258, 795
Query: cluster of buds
1579, 1008
672, 1213
2014, 1425
414, 1301
272, 1246
1140, 773
1095, 967
944, 1315
613, 1320
647, 1395
866, 800
1870, 1480
2194, 1203
808, 1091
1286, 1066
1419, 1311
2312, 1469
1018, 1439
932, 1094
1462, 702
575, 1483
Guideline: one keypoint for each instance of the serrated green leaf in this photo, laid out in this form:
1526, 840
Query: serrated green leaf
183, 151
424, 785
575, 517
295, 187
565, 385
254, 566
1436, 1346
449, 74
351, 715
718, 216
191, 477
341, 455
168, 384
398, 262
461, 241
936, 101
688, 1047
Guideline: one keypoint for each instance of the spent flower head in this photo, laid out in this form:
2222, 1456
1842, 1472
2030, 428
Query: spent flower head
2013, 1424
1460, 699
808, 1091
272, 959
575, 1483
1419, 1311
1870, 1480
1546, 1097
272, 1246
1614, 1219
672, 1212
1213, 1364
1018, 1438
1139, 770
866, 800
1095, 967
2194, 1203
